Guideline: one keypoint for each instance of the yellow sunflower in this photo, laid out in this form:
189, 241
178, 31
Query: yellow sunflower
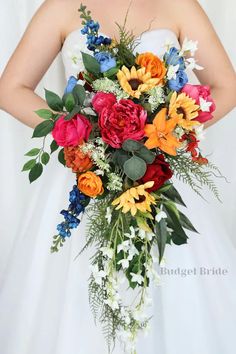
183, 108
136, 81
135, 198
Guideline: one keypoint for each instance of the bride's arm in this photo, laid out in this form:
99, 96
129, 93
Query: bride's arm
37, 49
218, 71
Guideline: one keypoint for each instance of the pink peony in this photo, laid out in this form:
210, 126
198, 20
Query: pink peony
199, 91
102, 100
71, 132
124, 120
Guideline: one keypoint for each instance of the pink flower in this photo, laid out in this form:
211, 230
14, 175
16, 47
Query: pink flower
201, 94
121, 121
102, 100
71, 132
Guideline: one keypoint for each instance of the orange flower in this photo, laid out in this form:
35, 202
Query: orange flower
90, 184
76, 159
160, 133
153, 64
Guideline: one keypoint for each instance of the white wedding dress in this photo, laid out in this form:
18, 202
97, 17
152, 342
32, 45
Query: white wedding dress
43, 298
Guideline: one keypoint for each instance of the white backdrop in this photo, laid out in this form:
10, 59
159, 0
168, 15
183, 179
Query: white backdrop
20, 201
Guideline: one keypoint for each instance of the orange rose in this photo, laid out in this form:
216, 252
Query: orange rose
152, 64
90, 184
76, 159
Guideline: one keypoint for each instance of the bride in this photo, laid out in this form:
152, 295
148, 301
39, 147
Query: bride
43, 298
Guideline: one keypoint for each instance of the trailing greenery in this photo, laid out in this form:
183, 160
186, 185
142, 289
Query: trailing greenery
194, 174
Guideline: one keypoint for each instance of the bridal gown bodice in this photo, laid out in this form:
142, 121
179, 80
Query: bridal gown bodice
43, 298
150, 41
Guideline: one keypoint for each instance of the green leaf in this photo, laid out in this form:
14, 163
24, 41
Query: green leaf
69, 102
74, 111
163, 188
146, 154
28, 165
174, 195
45, 158
79, 94
33, 152
135, 168
120, 157
61, 157
43, 129
44, 113
131, 145
35, 172
162, 236
186, 223
91, 64
111, 72
53, 146
54, 101
179, 236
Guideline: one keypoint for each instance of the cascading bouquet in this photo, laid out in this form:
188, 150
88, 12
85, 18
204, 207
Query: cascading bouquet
126, 125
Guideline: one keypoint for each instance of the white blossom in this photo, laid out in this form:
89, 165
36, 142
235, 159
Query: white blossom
168, 44
108, 215
205, 105
132, 233
137, 278
160, 215
124, 263
191, 64
132, 252
172, 70
188, 46
112, 303
107, 252
200, 132
98, 274
124, 246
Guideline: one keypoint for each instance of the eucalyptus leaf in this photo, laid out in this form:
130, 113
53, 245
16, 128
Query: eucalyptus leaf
54, 101
135, 168
35, 172
131, 145
146, 154
120, 157
43, 129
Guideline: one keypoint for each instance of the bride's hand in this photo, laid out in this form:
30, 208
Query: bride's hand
218, 71
34, 54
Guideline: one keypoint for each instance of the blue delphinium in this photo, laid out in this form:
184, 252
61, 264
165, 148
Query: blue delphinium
77, 206
178, 83
71, 83
93, 38
105, 60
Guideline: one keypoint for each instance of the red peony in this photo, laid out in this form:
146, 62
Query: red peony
71, 132
197, 92
121, 121
159, 172
102, 100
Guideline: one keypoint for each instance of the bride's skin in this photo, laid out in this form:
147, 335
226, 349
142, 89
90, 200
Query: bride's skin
55, 19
